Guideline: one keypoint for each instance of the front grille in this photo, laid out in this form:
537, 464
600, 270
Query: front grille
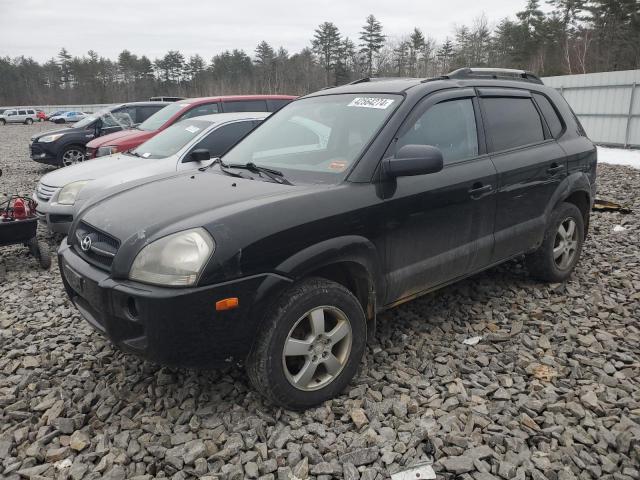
45, 192
102, 247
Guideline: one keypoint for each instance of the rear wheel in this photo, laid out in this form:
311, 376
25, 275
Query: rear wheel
311, 345
71, 155
560, 251
28, 121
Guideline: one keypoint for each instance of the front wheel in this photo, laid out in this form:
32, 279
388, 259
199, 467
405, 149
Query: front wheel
559, 253
3, 121
71, 155
311, 345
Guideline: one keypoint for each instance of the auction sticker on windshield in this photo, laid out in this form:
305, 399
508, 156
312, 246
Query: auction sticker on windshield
371, 102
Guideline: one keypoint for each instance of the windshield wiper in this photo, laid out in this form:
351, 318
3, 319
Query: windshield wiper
275, 175
134, 153
223, 168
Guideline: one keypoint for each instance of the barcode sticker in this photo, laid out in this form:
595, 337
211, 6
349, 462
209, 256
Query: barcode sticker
371, 102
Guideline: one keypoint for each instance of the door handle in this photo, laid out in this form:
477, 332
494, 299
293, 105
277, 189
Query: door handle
478, 189
554, 168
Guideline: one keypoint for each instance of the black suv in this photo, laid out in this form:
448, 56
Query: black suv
344, 203
67, 146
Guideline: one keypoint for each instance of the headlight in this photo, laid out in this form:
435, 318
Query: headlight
50, 138
108, 150
69, 192
175, 260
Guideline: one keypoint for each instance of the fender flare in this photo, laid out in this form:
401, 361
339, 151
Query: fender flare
575, 182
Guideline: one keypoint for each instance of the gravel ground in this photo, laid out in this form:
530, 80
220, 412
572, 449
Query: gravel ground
551, 391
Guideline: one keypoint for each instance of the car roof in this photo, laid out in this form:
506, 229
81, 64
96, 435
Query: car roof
142, 104
229, 117
231, 98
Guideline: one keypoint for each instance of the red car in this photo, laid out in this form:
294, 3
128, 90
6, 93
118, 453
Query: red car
194, 107
41, 115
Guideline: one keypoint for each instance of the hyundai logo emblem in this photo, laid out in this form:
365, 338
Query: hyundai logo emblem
85, 244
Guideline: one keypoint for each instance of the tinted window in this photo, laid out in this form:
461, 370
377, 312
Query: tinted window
245, 106
206, 109
450, 126
22, 112
142, 113
225, 137
512, 122
549, 113
30, 112
275, 105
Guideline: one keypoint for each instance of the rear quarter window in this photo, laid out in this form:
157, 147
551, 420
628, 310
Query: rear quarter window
550, 115
512, 122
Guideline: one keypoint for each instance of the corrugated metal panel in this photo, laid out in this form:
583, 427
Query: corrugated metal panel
607, 103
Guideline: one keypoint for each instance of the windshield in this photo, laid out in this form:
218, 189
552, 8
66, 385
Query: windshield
316, 139
158, 119
170, 141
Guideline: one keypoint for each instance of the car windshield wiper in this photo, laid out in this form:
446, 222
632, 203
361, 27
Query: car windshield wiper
134, 153
275, 175
223, 168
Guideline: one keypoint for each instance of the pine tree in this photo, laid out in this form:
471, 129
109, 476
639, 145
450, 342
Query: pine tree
444, 54
416, 49
372, 41
326, 44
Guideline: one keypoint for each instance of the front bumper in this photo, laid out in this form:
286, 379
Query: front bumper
42, 153
178, 327
57, 218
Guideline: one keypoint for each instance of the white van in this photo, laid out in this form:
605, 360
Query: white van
19, 115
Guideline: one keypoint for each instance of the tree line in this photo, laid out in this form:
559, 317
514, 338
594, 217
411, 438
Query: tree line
576, 36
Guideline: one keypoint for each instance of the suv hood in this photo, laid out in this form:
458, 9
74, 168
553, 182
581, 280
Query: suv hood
171, 203
95, 169
120, 137
37, 137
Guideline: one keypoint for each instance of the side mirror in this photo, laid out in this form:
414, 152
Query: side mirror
413, 160
198, 155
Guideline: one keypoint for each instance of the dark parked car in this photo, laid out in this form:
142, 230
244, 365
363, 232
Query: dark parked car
67, 146
345, 203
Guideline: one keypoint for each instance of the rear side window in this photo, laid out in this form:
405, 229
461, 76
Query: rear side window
245, 106
206, 109
550, 115
450, 126
30, 112
512, 122
222, 139
22, 112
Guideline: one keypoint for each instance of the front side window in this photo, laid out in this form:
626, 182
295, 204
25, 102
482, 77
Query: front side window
170, 141
316, 139
223, 138
245, 106
206, 109
450, 126
158, 119
512, 122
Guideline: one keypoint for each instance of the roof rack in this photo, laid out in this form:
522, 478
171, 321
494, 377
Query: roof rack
495, 73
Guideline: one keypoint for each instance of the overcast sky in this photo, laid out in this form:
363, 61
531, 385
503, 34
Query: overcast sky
39, 28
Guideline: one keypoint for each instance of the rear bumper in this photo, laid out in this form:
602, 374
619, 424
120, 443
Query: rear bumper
178, 327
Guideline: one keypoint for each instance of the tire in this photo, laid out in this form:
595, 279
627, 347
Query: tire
559, 253
28, 121
289, 321
44, 256
71, 155
3, 121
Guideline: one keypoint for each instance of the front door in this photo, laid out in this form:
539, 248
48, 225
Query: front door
530, 166
440, 226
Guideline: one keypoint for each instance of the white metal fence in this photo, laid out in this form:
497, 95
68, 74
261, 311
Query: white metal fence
67, 108
607, 104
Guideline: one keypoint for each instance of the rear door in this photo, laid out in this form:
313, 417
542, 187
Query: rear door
530, 167
440, 226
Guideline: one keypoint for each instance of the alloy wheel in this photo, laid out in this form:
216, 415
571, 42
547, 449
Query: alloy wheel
565, 245
317, 348
72, 156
